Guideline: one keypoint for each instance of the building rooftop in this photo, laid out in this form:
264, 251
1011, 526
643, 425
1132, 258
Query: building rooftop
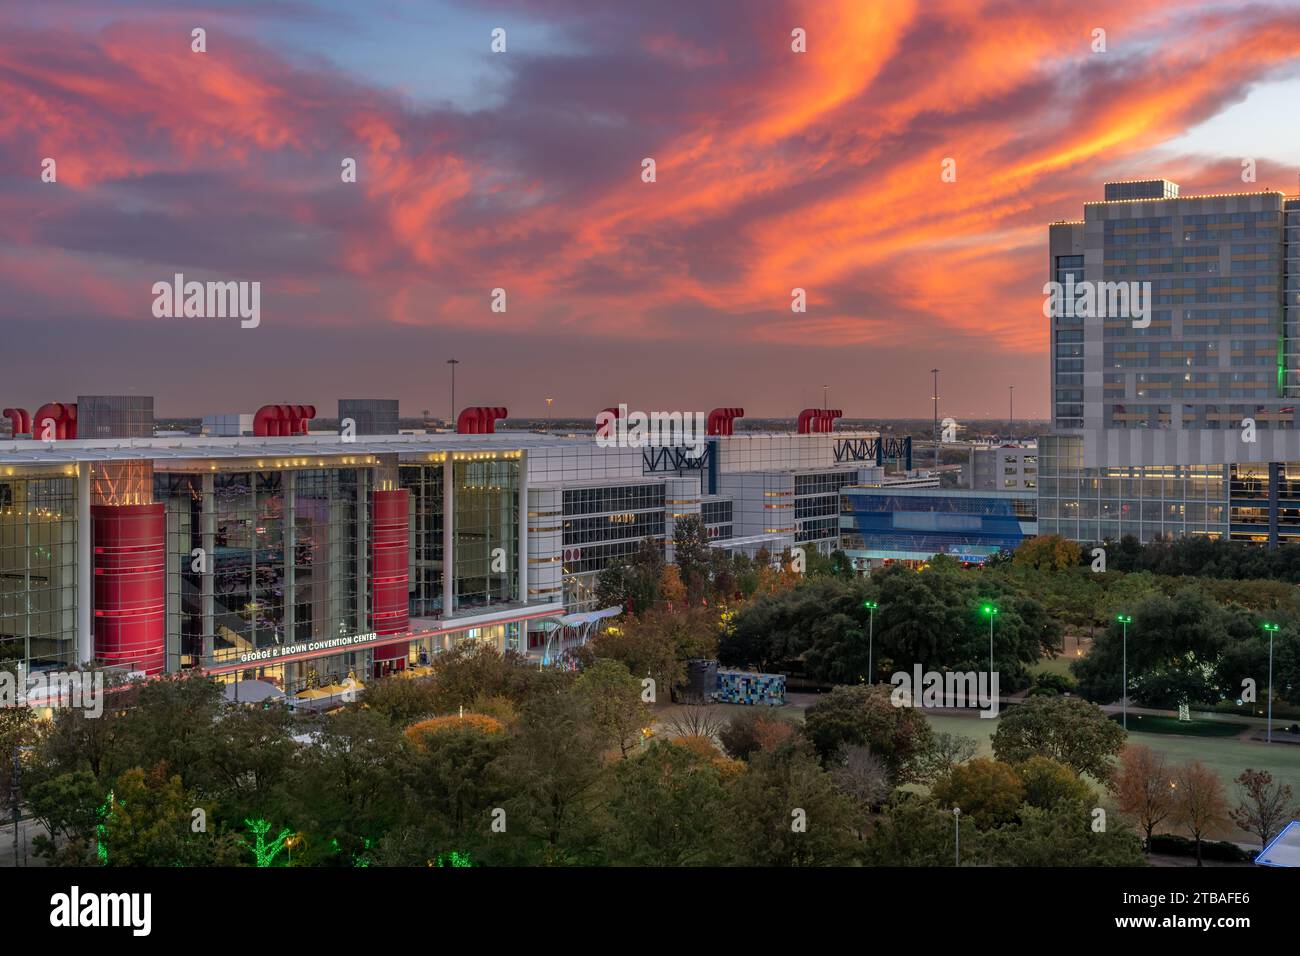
26, 451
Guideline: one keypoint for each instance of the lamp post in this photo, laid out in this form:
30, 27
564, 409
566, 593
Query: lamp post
871, 638
990, 611
453, 363
1272, 629
956, 823
935, 373
1125, 620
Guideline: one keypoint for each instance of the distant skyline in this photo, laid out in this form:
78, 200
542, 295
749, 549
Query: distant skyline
522, 170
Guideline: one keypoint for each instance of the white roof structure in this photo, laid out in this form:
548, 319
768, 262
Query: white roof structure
1285, 848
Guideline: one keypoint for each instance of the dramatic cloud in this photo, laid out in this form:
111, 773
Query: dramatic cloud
775, 170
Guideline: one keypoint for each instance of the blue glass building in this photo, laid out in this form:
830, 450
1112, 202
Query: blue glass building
879, 525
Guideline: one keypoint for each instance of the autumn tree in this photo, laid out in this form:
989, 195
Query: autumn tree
1264, 805
1200, 806
1049, 552
1144, 787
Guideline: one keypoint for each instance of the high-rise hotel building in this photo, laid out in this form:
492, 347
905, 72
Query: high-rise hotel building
1186, 425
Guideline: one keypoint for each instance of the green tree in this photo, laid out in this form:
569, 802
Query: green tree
553, 764
917, 831
988, 792
614, 697
451, 790
174, 722
693, 556
404, 700
345, 788
1048, 783
67, 807
1062, 835
785, 810
667, 808
150, 821
249, 760
1070, 731
864, 715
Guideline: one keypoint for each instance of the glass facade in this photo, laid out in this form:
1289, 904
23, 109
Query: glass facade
424, 483
1154, 503
605, 526
38, 568
486, 529
915, 525
286, 556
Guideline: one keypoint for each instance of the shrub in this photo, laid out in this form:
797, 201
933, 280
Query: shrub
436, 725
1170, 844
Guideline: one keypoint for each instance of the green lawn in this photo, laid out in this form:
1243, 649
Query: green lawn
1153, 724
1052, 665
1228, 757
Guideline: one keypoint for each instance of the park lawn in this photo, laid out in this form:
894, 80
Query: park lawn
1059, 665
1155, 724
1227, 757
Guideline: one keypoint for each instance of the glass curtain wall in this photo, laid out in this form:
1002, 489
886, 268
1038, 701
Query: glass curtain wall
38, 570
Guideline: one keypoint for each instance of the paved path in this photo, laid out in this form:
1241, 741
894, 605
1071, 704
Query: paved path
26, 856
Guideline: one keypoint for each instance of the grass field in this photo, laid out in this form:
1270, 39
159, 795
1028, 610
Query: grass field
1053, 665
1228, 757
1152, 724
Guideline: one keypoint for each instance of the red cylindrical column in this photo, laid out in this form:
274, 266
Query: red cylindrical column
130, 586
390, 572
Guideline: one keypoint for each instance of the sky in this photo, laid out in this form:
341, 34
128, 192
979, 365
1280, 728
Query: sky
523, 170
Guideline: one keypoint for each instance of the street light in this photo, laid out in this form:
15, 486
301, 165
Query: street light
1125, 620
956, 822
990, 611
1272, 629
935, 373
453, 363
871, 637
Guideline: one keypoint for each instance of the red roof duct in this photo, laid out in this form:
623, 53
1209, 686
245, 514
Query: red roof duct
19, 420
480, 419
59, 418
813, 420
720, 420
275, 420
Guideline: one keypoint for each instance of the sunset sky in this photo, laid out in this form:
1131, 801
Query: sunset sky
522, 170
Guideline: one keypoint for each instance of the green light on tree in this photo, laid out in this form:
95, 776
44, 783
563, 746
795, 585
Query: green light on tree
101, 851
263, 853
454, 858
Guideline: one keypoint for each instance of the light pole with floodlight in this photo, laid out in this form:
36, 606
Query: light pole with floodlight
1272, 629
871, 638
990, 611
1125, 620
